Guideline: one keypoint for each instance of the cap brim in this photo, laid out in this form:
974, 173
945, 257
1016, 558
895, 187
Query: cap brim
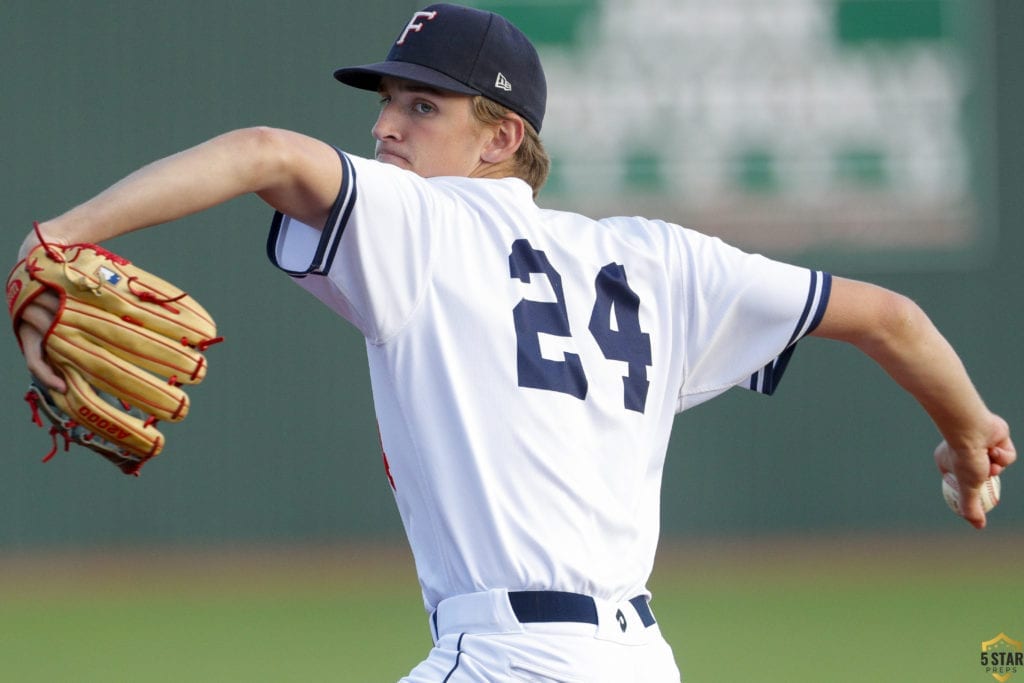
367, 76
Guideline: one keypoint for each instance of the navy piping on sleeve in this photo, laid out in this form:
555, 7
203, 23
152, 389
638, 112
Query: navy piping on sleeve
766, 380
333, 228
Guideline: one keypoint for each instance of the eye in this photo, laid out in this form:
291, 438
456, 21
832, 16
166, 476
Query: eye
423, 107
384, 99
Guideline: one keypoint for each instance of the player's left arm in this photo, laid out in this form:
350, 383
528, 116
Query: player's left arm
293, 173
897, 334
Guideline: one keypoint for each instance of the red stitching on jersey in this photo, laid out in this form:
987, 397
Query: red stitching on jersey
387, 465
387, 470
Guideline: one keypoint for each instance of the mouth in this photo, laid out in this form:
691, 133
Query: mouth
389, 156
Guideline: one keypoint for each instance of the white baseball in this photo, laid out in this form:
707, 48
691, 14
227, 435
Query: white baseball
951, 492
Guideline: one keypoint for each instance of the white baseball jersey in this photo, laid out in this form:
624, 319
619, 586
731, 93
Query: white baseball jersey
527, 364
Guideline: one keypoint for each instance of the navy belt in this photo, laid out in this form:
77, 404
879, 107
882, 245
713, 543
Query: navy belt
549, 606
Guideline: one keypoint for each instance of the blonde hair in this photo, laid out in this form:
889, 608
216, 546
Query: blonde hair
531, 161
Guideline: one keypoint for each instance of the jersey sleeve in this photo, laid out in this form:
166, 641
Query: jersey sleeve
744, 315
371, 258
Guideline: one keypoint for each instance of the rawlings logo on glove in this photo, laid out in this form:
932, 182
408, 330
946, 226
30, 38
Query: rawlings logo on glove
123, 339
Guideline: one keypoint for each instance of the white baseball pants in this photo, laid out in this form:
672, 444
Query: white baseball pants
544, 637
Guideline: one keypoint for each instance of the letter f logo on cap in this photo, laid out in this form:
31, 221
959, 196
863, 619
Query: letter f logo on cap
414, 26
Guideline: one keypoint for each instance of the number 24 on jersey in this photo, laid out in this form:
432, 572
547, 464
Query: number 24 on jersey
625, 342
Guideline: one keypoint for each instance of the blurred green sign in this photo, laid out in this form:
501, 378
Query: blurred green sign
857, 130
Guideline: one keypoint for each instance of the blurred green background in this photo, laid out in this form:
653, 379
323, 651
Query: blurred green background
804, 535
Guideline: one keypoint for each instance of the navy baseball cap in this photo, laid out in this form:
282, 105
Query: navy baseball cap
467, 51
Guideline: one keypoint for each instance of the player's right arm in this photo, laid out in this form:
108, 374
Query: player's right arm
899, 336
295, 174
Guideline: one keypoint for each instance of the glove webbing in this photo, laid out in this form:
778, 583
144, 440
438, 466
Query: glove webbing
73, 432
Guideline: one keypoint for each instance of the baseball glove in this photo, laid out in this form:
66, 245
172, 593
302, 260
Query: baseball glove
124, 341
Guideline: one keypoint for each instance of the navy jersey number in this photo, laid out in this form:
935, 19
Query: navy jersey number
628, 343
534, 317
615, 301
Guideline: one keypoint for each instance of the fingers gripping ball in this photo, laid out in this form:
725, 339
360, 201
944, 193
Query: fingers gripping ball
989, 493
124, 340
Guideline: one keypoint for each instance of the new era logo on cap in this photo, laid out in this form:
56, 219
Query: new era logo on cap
463, 50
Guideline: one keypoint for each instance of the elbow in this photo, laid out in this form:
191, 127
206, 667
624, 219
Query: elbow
900, 314
263, 153
899, 322
297, 175
887, 326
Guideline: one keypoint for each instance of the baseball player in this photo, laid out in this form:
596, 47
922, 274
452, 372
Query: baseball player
526, 364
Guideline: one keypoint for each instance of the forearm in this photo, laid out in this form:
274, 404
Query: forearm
916, 355
294, 170
897, 334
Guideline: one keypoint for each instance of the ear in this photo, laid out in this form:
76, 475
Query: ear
507, 136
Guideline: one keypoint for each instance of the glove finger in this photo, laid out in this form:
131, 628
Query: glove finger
112, 283
43, 406
129, 383
127, 431
149, 350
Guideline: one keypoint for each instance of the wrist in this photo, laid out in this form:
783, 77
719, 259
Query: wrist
40, 232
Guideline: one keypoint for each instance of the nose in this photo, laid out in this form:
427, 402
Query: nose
386, 126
